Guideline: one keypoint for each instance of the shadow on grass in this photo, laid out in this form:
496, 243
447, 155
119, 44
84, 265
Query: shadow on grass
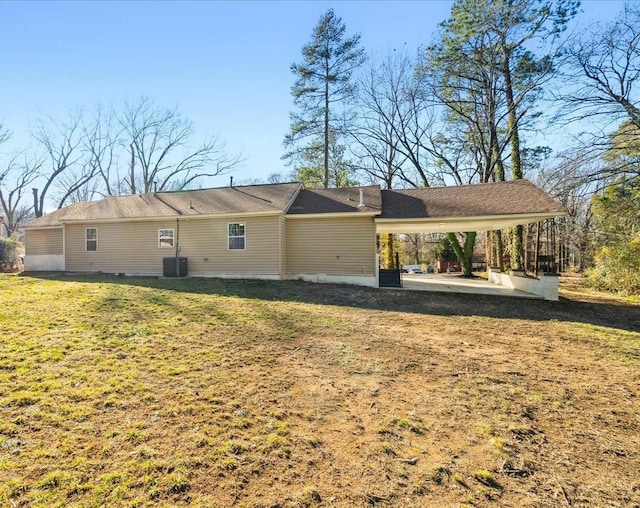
607, 314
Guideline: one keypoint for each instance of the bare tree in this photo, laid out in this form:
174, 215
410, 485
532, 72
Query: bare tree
159, 140
393, 136
15, 179
68, 172
100, 141
571, 180
606, 66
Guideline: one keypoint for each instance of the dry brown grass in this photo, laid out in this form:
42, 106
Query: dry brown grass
145, 392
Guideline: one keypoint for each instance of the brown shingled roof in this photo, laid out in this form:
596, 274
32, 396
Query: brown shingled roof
342, 200
489, 199
53, 219
238, 199
519, 198
224, 200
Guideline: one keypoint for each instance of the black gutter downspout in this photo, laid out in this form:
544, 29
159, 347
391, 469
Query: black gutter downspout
177, 247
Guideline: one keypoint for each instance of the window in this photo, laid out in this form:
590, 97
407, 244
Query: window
165, 238
237, 236
91, 239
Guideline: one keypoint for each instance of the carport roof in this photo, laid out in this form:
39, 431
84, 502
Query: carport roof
482, 207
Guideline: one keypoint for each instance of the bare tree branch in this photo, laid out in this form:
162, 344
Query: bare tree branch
605, 64
160, 139
63, 145
15, 179
100, 140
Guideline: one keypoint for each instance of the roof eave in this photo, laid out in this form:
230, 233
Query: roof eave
459, 224
172, 217
50, 226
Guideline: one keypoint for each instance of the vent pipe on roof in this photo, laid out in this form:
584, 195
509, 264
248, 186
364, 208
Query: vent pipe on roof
231, 181
361, 203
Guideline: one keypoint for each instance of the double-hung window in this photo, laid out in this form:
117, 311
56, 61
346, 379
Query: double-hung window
237, 236
91, 239
165, 238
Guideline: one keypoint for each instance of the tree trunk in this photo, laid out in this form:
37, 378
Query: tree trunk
488, 251
516, 162
132, 169
465, 253
37, 209
387, 250
326, 129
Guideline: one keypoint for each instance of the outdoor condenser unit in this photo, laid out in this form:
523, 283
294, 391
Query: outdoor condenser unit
174, 267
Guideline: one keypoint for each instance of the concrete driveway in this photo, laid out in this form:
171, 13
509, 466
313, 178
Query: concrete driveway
452, 283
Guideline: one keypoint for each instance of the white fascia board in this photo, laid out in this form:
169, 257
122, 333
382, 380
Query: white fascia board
460, 224
293, 198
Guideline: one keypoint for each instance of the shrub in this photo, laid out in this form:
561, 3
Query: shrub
9, 261
618, 268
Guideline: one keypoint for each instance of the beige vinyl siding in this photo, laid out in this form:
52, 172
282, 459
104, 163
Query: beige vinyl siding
124, 247
132, 247
332, 246
44, 242
205, 243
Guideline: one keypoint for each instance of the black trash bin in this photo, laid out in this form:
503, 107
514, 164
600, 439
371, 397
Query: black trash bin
174, 267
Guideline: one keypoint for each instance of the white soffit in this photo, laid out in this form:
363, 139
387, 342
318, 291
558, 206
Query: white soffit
458, 224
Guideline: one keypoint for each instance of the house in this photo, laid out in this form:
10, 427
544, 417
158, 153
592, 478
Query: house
273, 231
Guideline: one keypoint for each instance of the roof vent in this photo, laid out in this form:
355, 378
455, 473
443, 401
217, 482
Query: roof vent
361, 203
231, 181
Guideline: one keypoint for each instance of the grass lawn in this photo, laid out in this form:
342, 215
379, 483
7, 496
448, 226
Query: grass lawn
159, 392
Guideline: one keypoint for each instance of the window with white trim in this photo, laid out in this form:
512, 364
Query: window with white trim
237, 236
91, 239
165, 238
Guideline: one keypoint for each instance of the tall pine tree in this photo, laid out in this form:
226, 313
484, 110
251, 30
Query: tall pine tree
323, 84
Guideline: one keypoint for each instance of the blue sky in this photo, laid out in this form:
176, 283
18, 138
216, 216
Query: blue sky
224, 65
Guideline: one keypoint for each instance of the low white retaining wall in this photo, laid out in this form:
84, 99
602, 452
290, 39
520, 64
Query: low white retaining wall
546, 285
44, 263
355, 280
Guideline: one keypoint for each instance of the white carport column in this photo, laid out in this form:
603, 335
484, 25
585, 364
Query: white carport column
550, 286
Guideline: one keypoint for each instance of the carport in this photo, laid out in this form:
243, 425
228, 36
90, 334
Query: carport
484, 207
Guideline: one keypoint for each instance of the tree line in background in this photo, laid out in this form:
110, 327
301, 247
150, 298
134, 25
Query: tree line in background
466, 108
140, 147
469, 107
